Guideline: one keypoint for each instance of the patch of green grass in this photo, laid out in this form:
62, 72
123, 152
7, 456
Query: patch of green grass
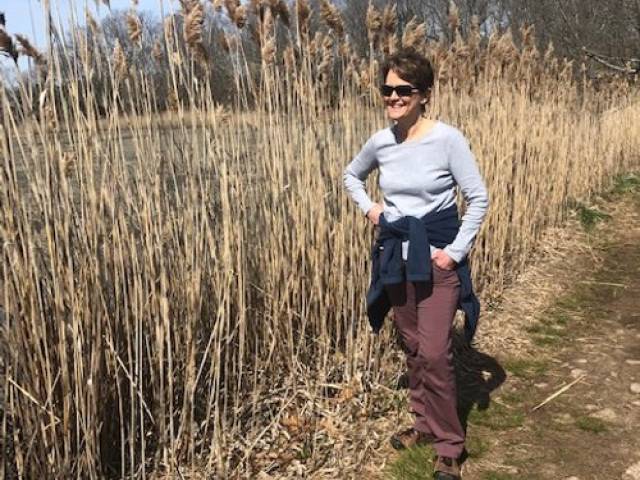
498, 476
590, 216
551, 329
412, 464
496, 417
571, 302
627, 183
476, 446
512, 398
590, 424
525, 368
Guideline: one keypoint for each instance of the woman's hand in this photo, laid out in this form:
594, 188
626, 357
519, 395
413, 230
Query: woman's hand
442, 260
374, 213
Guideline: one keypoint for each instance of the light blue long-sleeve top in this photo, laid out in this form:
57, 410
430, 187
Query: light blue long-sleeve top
420, 176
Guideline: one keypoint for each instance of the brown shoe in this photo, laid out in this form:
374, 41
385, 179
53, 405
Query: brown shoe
409, 438
446, 468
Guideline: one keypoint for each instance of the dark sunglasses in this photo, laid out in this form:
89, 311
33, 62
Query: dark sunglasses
401, 90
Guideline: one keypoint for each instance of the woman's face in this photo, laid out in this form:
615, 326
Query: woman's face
402, 107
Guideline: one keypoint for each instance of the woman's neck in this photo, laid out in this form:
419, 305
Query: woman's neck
409, 127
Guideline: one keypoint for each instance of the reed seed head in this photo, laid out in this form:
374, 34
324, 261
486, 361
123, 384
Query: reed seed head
414, 35
303, 14
453, 17
27, 48
134, 27
331, 16
193, 25
121, 67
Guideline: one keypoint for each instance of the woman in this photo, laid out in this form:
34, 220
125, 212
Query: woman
419, 259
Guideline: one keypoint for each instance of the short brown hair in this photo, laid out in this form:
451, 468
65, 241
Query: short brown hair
412, 67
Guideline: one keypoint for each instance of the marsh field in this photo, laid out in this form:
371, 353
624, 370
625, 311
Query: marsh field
182, 278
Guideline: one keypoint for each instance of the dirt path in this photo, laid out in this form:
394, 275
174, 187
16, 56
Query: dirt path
578, 332
592, 333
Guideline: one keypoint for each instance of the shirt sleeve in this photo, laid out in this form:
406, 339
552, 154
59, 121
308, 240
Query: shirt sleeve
356, 173
464, 170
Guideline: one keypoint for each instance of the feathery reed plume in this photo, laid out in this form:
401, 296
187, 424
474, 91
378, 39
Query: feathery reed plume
134, 3
223, 41
158, 51
474, 38
374, 24
365, 75
528, 36
240, 17
326, 59
134, 28
256, 8
120, 66
67, 163
303, 14
267, 38
414, 34
389, 26
169, 28
281, 10
94, 28
7, 46
344, 49
390, 19
289, 58
331, 16
187, 6
453, 18
26, 48
237, 12
231, 6
316, 44
173, 102
193, 24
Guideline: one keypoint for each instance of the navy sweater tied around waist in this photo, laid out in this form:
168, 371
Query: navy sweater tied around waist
436, 228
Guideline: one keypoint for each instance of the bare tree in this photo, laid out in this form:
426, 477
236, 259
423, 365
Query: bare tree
605, 31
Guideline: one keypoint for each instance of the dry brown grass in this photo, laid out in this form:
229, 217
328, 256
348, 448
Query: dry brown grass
185, 290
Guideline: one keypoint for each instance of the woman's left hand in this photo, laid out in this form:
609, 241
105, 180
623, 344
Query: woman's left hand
442, 260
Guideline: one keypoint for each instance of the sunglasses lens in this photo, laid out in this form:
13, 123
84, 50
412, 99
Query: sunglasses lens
386, 90
401, 90
404, 90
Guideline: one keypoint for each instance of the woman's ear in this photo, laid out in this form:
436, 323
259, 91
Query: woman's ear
427, 97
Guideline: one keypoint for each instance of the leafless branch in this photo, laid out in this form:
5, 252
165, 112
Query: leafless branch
602, 61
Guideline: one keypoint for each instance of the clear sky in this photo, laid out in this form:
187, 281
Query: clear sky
26, 16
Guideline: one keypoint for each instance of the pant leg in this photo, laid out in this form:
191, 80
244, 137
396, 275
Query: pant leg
405, 314
424, 314
436, 311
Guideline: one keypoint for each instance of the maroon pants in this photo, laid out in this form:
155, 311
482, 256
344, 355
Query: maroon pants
424, 314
